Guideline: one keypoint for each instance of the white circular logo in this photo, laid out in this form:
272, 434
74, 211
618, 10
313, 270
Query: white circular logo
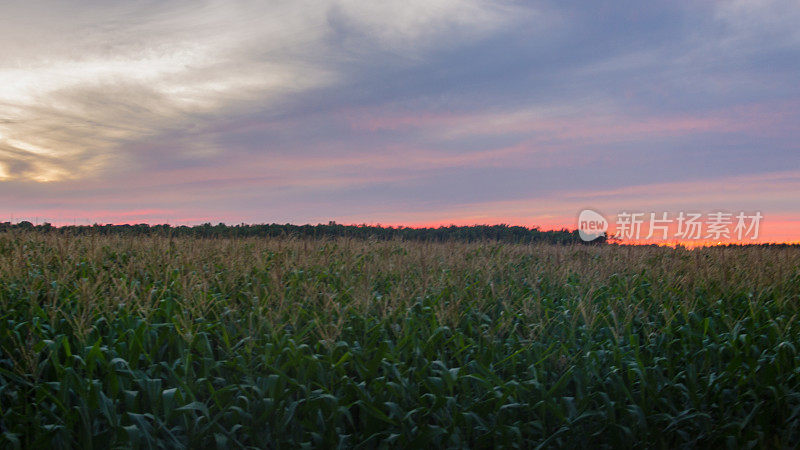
591, 225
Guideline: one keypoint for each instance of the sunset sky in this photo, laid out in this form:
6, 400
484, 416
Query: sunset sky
398, 112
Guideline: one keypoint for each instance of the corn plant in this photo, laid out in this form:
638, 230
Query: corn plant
185, 342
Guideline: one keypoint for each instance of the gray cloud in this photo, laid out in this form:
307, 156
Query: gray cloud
311, 110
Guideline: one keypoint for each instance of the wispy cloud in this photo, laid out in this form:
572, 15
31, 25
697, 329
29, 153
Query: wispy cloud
68, 110
389, 111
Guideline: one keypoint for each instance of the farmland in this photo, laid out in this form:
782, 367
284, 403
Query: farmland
159, 341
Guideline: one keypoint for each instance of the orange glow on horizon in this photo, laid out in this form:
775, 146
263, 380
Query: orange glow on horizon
780, 230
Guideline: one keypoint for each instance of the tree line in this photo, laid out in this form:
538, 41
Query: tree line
472, 233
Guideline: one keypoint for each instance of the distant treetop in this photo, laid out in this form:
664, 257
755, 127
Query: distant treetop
502, 233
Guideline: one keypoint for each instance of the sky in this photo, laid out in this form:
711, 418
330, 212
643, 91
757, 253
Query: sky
400, 112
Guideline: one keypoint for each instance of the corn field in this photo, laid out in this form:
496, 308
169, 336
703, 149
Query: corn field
182, 342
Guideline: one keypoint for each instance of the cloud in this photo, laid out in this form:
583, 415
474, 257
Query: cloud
407, 28
301, 111
69, 113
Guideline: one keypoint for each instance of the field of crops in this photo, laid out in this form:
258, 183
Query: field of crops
151, 341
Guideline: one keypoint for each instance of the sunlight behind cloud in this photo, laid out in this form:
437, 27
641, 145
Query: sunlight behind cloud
72, 104
83, 108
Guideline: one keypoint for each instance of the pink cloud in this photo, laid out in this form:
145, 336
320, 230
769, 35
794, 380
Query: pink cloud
594, 124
